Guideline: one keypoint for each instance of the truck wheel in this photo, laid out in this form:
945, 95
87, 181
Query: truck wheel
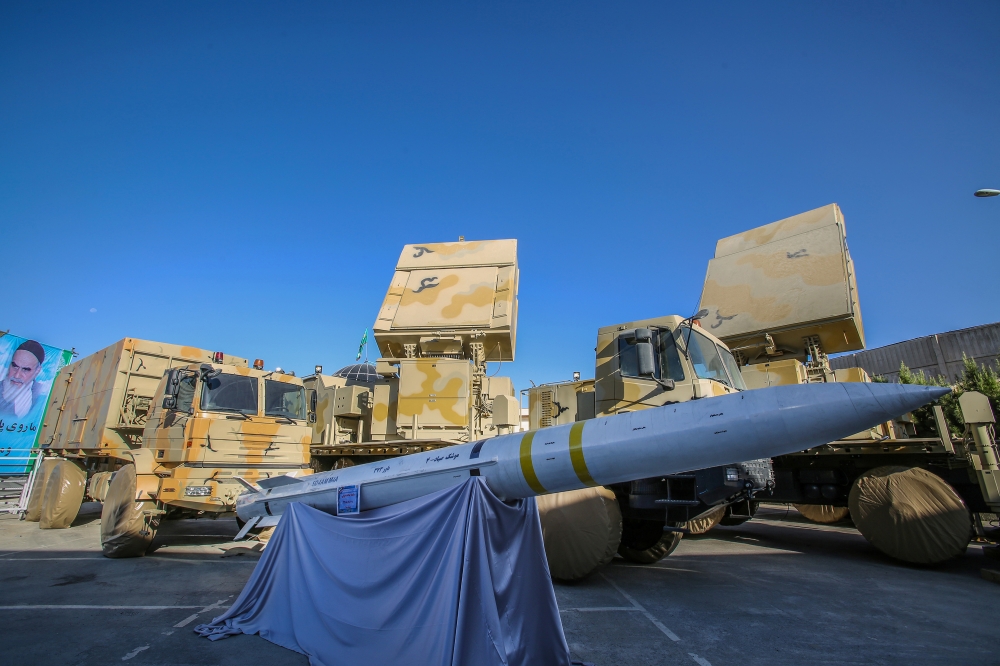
823, 513
580, 529
645, 542
63, 496
126, 531
705, 521
97, 489
33, 512
910, 514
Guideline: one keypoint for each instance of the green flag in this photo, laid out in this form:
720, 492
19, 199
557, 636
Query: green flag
364, 341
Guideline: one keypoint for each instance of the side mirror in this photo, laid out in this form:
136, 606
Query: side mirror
312, 403
646, 359
173, 383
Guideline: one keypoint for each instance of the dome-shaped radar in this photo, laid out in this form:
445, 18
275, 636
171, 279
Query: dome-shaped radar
358, 372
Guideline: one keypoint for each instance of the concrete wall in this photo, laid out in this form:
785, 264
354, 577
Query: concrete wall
939, 354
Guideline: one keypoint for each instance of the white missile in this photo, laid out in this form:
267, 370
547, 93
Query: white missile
653, 442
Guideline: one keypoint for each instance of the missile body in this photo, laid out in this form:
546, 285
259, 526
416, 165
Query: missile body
652, 442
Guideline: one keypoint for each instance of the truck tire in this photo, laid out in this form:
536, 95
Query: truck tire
645, 542
910, 514
63, 496
97, 488
705, 521
33, 511
581, 530
126, 531
823, 513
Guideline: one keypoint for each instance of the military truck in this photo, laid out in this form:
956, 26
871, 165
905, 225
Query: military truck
450, 309
156, 431
639, 365
782, 297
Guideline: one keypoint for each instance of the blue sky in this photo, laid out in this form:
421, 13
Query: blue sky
242, 176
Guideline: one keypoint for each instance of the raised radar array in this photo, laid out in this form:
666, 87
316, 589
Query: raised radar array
450, 309
783, 296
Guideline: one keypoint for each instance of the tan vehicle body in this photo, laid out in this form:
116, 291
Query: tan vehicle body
785, 295
611, 391
210, 449
769, 289
450, 309
99, 404
644, 520
107, 410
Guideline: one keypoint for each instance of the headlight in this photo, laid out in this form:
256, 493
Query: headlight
732, 474
198, 491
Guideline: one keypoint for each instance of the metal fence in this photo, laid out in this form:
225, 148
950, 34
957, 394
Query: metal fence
939, 354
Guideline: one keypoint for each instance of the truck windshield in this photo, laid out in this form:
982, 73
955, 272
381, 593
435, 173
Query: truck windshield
230, 393
284, 399
708, 360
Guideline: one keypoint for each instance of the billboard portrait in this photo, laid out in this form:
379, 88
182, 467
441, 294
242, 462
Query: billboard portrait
27, 371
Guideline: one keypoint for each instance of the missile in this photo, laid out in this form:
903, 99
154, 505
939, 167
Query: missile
698, 434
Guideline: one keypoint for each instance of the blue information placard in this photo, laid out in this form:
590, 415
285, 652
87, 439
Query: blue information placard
348, 500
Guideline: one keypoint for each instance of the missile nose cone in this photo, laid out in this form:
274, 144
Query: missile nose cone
884, 402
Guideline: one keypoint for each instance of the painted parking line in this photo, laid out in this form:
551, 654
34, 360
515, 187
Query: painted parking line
191, 618
135, 652
88, 607
188, 560
600, 609
649, 616
701, 661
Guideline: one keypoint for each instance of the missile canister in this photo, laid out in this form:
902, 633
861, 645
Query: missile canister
601, 451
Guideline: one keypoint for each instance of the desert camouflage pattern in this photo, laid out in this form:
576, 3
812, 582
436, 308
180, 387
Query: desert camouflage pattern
770, 288
613, 391
342, 409
616, 393
450, 309
107, 409
211, 448
445, 296
99, 405
774, 373
432, 400
560, 403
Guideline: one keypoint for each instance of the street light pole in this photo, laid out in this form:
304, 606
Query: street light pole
987, 193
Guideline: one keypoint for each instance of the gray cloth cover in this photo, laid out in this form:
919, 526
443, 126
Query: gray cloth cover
453, 578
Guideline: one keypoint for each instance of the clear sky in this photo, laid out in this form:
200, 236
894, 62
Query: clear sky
241, 176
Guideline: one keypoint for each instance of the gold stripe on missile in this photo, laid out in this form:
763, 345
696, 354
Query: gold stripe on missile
576, 454
527, 467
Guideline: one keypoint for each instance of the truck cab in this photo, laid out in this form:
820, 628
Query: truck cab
212, 423
651, 363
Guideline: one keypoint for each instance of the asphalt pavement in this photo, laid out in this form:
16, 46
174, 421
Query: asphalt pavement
777, 590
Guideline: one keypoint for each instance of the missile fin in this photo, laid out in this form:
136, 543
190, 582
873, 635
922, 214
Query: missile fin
252, 487
247, 526
278, 481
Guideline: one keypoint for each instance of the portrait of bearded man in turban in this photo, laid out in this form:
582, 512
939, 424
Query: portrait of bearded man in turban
19, 391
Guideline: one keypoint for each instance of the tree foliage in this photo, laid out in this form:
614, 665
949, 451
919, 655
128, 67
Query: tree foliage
974, 377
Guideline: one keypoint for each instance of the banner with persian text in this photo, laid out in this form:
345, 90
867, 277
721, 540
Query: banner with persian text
27, 371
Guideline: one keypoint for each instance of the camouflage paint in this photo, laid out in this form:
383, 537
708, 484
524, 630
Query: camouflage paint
789, 279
